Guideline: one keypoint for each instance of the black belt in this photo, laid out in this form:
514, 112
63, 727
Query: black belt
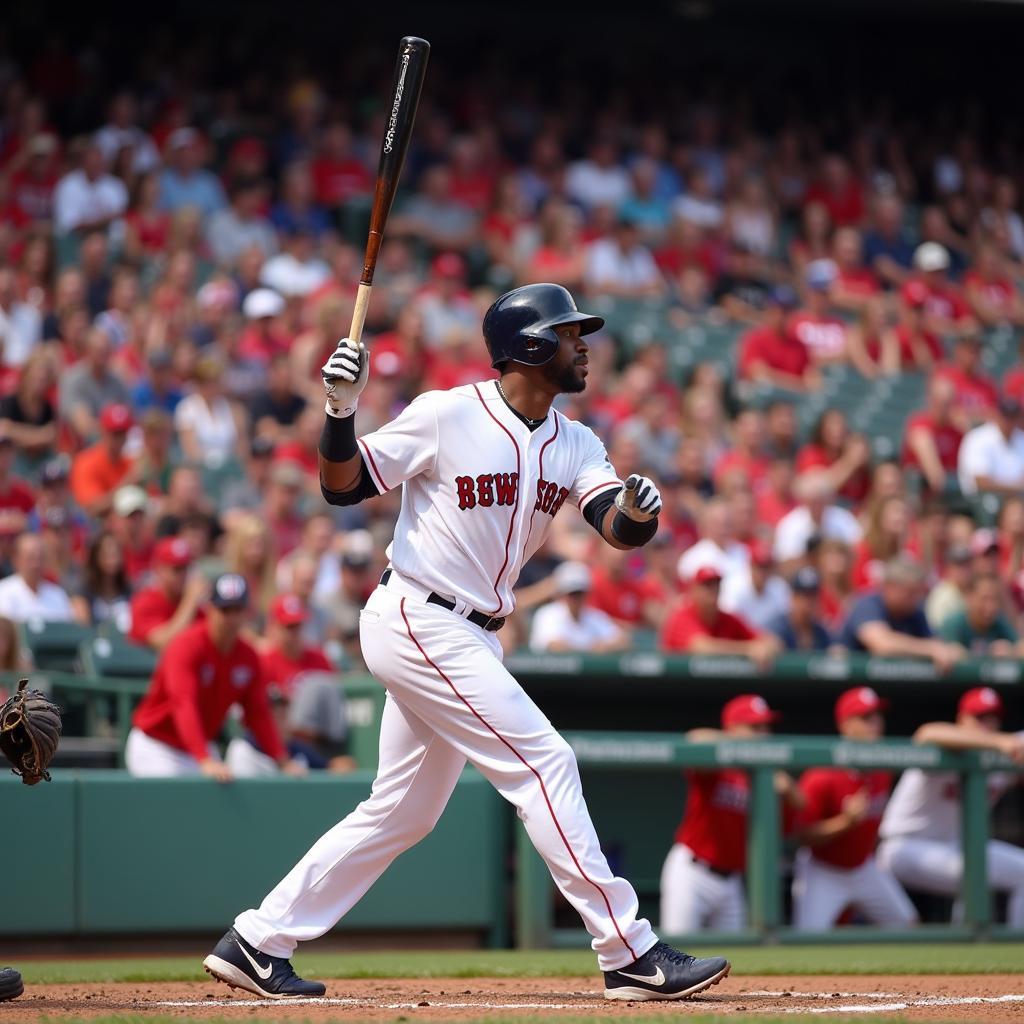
489, 622
715, 871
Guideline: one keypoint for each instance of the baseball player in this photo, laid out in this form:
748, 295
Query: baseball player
920, 832
702, 878
484, 468
836, 868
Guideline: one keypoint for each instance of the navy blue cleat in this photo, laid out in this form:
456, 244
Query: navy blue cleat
241, 965
664, 973
11, 985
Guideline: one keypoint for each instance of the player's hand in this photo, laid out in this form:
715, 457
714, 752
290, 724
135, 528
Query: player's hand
217, 770
197, 590
946, 655
345, 374
297, 769
1012, 746
855, 807
639, 499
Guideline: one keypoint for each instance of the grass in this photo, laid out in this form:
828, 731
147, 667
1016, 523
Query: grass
971, 958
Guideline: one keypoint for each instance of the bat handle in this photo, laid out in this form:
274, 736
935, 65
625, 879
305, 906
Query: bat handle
359, 312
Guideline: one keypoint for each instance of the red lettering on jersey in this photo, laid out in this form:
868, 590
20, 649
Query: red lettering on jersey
563, 493
467, 496
506, 485
549, 497
485, 490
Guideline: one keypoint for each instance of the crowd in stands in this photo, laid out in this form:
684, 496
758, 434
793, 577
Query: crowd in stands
176, 264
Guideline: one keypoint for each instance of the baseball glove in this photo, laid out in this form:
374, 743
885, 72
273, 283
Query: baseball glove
29, 733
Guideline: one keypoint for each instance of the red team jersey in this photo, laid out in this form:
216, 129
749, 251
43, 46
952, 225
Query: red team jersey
683, 626
714, 826
279, 670
776, 351
824, 790
194, 686
946, 437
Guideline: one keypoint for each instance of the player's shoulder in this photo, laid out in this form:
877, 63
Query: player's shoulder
576, 432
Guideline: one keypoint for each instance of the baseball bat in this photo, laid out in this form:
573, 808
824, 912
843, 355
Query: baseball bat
405, 97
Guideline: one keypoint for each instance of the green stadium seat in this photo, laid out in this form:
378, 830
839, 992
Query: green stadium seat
116, 656
55, 645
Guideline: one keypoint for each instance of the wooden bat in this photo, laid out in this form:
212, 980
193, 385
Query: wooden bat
405, 97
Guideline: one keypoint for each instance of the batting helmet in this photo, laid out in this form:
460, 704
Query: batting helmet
520, 326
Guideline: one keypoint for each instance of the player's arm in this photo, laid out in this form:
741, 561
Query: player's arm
819, 826
626, 518
951, 736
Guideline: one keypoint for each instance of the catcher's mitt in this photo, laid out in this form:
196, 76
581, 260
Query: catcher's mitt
29, 732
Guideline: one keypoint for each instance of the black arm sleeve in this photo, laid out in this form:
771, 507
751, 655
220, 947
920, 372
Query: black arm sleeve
624, 529
363, 489
596, 508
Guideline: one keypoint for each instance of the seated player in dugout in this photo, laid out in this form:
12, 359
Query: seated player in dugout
484, 468
702, 878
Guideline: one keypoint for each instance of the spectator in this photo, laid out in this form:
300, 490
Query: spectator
921, 831
856, 286
886, 537
90, 386
623, 589
97, 471
946, 598
762, 596
169, 605
843, 456
886, 247
991, 292
622, 265
211, 429
242, 225
872, 344
21, 325
287, 657
297, 270
204, 670
770, 354
780, 428
991, 457
130, 527
920, 348
946, 312
842, 811
599, 179
839, 190
297, 211
184, 182
646, 207
26, 417
569, 624
249, 553
265, 335
981, 627
355, 585
931, 438
975, 393
823, 334
699, 626
122, 131
105, 594
88, 198
561, 256
26, 595
338, 175
434, 216
799, 628
16, 497
816, 516
891, 623
718, 546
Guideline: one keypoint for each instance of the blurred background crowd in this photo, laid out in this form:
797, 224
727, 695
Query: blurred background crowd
812, 301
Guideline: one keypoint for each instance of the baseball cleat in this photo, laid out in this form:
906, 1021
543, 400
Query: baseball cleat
241, 965
11, 985
664, 973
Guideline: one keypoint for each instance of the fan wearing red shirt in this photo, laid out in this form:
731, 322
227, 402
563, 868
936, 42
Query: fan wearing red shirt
770, 354
844, 456
836, 867
287, 657
166, 607
619, 590
838, 190
699, 626
920, 348
856, 285
945, 310
337, 175
975, 394
931, 439
992, 295
823, 334
202, 673
747, 453
15, 494
702, 878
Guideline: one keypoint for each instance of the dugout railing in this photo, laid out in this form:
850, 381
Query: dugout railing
672, 753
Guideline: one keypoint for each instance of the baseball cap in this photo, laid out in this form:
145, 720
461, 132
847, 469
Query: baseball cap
748, 709
982, 700
262, 302
707, 574
172, 551
287, 474
117, 418
984, 542
229, 591
129, 499
448, 264
761, 553
56, 470
821, 273
929, 256
357, 549
572, 578
914, 294
784, 296
861, 700
288, 610
806, 581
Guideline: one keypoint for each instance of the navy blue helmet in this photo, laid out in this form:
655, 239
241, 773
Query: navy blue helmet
520, 326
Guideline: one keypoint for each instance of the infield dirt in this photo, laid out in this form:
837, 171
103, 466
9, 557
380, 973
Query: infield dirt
992, 997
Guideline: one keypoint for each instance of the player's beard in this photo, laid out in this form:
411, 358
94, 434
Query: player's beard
565, 378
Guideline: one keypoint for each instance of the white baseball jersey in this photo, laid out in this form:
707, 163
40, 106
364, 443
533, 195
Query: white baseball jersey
927, 804
481, 489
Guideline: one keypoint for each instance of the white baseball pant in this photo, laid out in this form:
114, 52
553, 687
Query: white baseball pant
937, 866
692, 897
146, 757
821, 892
450, 700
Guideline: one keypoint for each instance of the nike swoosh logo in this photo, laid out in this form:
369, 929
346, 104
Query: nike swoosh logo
656, 979
265, 972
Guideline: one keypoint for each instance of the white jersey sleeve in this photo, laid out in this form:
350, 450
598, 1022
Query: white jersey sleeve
405, 447
596, 473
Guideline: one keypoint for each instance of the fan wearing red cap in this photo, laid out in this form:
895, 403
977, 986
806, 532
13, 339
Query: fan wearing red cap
699, 626
202, 672
171, 602
836, 866
97, 471
921, 837
702, 878
287, 656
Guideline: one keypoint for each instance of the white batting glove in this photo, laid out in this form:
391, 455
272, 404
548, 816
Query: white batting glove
345, 374
639, 499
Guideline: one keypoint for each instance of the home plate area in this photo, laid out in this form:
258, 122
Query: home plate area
990, 997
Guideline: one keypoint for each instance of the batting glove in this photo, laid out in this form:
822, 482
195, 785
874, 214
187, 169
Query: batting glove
639, 499
345, 374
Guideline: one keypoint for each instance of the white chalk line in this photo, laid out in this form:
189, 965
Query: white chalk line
820, 995
368, 1003
911, 1003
